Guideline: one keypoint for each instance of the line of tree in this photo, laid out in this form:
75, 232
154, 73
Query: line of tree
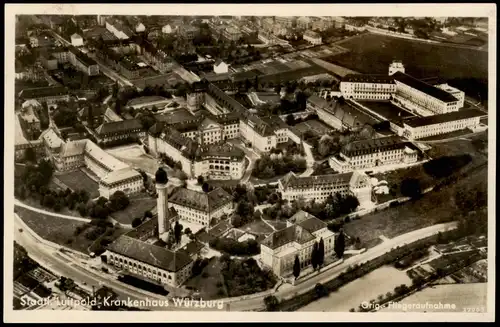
233, 247
267, 167
339, 246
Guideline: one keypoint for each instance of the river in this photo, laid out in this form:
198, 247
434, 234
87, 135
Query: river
366, 288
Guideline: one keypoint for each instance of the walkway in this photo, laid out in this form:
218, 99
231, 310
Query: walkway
48, 213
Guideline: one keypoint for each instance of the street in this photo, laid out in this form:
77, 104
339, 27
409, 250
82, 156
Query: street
323, 277
250, 154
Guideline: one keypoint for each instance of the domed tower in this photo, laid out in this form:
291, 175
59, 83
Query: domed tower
396, 66
161, 180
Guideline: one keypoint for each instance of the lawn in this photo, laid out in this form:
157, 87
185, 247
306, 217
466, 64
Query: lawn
136, 209
207, 286
257, 227
78, 180
55, 229
420, 59
433, 208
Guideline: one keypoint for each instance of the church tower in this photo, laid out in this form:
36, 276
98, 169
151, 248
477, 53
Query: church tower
161, 180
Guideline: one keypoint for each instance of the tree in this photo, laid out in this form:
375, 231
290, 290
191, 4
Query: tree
271, 303
340, 244
244, 209
177, 231
200, 180
148, 214
320, 290
118, 201
411, 187
29, 155
49, 201
290, 120
314, 256
188, 231
296, 267
321, 252
136, 222
205, 187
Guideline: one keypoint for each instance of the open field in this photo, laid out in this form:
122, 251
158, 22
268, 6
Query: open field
78, 180
55, 229
207, 286
138, 205
433, 208
420, 59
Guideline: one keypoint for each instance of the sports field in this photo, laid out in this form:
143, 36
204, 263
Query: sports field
372, 53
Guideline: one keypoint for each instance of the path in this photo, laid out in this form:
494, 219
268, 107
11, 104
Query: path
451, 138
49, 213
309, 161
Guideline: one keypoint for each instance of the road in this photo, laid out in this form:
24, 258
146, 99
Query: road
102, 67
51, 259
252, 157
451, 138
325, 276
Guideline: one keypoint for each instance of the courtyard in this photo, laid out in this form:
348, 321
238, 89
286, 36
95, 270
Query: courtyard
78, 180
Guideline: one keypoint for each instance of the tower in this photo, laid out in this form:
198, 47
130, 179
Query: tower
161, 180
396, 66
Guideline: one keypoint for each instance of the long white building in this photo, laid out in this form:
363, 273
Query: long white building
113, 174
320, 187
372, 153
278, 250
420, 127
367, 87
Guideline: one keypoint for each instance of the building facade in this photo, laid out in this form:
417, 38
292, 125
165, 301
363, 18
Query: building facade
200, 207
372, 153
367, 87
420, 127
312, 37
319, 188
278, 251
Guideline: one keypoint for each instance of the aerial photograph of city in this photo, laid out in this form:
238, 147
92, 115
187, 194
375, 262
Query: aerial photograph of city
250, 163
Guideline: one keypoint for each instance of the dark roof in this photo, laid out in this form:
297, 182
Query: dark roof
41, 92
154, 255
443, 118
193, 247
424, 87
122, 126
161, 176
275, 121
221, 150
174, 117
173, 137
82, 57
318, 101
294, 233
371, 78
96, 111
201, 201
291, 180
374, 145
259, 125
227, 119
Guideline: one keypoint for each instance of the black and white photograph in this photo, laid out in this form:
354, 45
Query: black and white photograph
249, 162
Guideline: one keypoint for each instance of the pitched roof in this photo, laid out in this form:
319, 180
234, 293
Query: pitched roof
73, 148
119, 175
119, 126
424, 87
221, 150
41, 92
374, 145
368, 78
443, 118
291, 180
51, 138
112, 115
201, 201
294, 233
154, 255
145, 100
103, 157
